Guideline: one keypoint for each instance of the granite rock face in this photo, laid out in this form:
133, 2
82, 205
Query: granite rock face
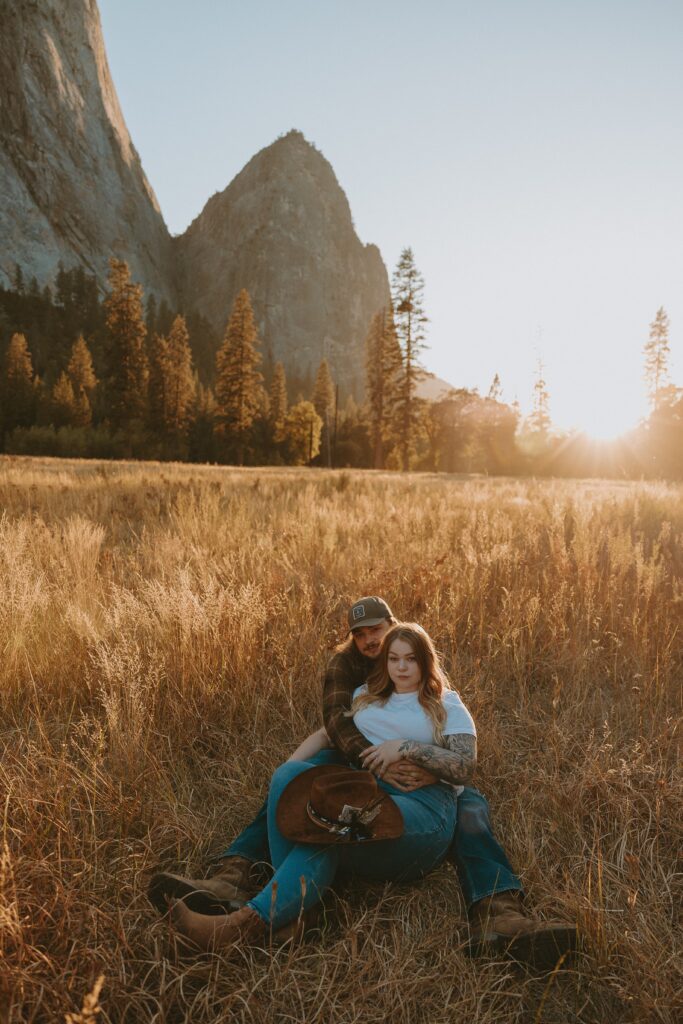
283, 230
72, 189
71, 184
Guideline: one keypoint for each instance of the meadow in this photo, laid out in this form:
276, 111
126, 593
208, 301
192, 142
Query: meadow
164, 630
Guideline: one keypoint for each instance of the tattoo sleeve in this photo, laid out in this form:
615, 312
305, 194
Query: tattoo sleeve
454, 763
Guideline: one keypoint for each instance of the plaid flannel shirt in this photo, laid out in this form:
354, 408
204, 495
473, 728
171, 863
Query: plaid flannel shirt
345, 671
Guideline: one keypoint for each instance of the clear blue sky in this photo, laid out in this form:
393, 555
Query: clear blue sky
530, 152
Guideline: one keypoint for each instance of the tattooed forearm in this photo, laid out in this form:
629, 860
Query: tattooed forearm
453, 763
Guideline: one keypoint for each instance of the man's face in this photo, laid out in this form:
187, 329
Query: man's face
368, 639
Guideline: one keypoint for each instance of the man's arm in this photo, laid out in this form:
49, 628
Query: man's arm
341, 679
456, 762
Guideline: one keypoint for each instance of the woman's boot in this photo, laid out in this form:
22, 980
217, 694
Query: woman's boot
210, 932
228, 889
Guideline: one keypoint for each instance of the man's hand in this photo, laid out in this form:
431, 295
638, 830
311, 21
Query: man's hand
408, 776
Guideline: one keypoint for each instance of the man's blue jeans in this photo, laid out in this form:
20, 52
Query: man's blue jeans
479, 859
303, 872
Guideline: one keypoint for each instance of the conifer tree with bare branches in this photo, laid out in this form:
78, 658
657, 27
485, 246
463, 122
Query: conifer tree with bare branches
496, 390
539, 420
410, 318
657, 353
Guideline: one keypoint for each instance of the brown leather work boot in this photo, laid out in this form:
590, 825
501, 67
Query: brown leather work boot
210, 932
499, 924
228, 889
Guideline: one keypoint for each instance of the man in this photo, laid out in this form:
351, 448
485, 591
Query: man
492, 891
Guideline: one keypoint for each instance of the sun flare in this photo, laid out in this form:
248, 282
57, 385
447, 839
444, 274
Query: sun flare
602, 422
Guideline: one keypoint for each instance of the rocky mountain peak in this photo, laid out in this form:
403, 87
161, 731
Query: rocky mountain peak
283, 230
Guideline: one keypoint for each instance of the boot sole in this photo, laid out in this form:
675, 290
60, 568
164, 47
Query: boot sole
164, 887
543, 949
540, 950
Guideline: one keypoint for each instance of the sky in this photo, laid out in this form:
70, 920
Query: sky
530, 152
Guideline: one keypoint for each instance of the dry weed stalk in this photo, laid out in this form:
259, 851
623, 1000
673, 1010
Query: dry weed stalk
164, 630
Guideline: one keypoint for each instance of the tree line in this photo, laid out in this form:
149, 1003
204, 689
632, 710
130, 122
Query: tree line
82, 376
128, 384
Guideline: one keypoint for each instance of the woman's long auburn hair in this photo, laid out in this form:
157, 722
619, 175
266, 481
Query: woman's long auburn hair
433, 681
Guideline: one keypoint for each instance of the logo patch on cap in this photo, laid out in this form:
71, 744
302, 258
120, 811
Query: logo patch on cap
358, 612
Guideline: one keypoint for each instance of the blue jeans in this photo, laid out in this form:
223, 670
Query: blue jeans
303, 872
479, 859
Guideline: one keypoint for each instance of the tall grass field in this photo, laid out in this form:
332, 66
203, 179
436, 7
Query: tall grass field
164, 630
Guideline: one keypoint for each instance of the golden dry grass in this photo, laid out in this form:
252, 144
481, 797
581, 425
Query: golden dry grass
163, 633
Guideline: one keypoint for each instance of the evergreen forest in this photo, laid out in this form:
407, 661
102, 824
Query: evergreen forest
118, 376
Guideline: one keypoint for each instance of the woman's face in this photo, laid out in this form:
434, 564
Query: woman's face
402, 666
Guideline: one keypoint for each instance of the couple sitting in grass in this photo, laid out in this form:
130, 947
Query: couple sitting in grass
381, 791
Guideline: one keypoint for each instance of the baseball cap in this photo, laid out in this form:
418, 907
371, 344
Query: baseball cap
368, 611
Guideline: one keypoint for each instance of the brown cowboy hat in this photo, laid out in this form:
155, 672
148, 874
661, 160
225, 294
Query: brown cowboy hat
334, 804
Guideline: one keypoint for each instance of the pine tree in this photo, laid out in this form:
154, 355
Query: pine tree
128, 366
495, 391
657, 360
323, 391
80, 368
62, 286
202, 437
171, 388
63, 402
82, 409
239, 382
303, 428
323, 403
278, 404
181, 390
83, 380
18, 386
539, 420
407, 294
383, 375
159, 373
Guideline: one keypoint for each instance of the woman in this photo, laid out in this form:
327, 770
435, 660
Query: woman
406, 709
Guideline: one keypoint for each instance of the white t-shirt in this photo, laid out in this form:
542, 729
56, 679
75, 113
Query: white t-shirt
404, 718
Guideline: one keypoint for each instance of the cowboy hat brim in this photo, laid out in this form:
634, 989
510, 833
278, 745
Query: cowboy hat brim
295, 824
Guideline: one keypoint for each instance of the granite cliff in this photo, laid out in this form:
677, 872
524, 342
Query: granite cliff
283, 230
72, 189
72, 186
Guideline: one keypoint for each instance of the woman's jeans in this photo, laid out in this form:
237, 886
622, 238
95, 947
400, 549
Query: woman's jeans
483, 869
305, 871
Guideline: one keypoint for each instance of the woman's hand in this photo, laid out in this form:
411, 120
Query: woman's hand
378, 757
